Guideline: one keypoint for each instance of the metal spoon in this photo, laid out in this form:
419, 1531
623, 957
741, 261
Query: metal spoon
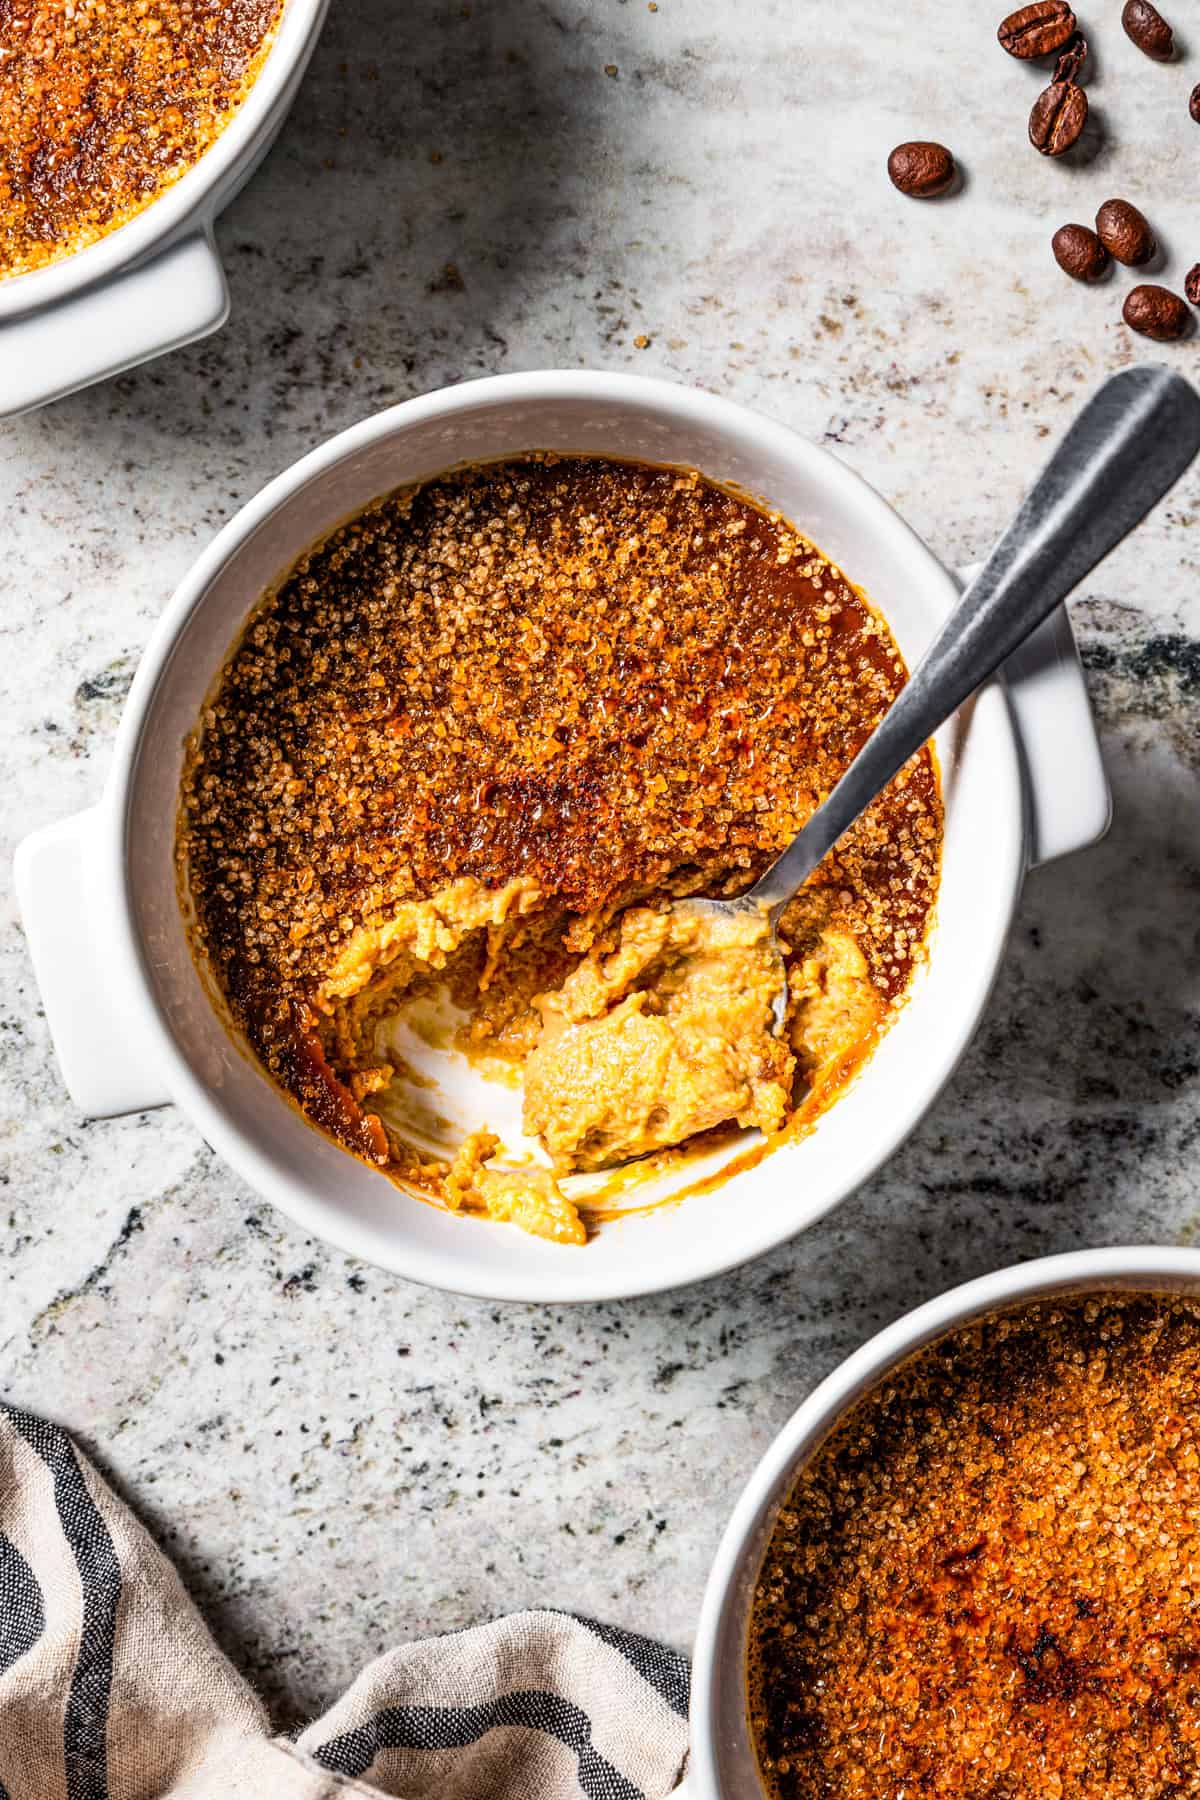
1132, 441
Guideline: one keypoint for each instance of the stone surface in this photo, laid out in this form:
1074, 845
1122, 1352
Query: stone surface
337, 1459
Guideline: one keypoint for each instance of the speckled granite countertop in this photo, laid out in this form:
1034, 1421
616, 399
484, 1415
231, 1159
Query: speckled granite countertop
336, 1459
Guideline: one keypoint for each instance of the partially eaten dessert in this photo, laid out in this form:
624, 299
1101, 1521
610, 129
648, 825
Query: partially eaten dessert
473, 746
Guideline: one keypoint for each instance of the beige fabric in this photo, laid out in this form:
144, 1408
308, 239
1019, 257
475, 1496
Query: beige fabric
264, 1770
111, 1687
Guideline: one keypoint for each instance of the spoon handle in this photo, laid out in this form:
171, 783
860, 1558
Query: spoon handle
1131, 442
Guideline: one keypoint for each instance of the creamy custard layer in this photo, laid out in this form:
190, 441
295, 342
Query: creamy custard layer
662, 1030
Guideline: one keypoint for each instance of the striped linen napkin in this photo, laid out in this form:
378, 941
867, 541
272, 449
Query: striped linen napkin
112, 1689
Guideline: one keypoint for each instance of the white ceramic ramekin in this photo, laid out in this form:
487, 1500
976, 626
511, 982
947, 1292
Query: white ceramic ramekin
131, 1018
722, 1764
155, 283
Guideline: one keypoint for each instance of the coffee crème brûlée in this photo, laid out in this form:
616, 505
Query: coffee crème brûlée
472, 747
105, 103
982, 1585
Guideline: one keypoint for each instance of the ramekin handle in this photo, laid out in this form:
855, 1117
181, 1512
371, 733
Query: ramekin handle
1066, 788
178, 296
1070, 802
103, 1051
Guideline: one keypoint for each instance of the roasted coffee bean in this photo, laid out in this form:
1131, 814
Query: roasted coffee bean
1037, 30
1124, 233
1059, 115
921, 170
1194, 103
1079, 252
1156, 312
1069, 64
1191, 286
1146, 27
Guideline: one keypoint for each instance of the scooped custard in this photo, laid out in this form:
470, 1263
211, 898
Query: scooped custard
473, 746
669, 1034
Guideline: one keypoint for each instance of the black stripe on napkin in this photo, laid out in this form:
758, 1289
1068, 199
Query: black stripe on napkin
85, 1721
665, 1670
453, 1727
22, 1612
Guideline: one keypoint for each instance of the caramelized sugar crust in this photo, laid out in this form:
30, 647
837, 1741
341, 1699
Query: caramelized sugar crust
103, 103
985, 1582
